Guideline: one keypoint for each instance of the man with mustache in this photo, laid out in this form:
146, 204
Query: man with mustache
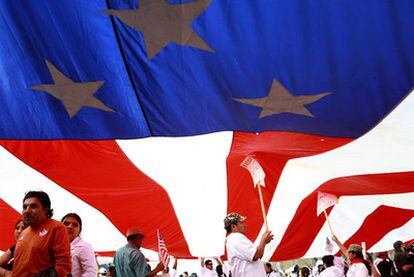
44, 245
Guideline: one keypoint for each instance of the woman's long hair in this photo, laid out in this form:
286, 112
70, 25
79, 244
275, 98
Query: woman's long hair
366, 263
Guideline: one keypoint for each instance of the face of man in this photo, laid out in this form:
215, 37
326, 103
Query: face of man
33, 212
239, 227
72, 226
138, 241
209, 265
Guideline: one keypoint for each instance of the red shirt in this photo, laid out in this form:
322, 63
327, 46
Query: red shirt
43, 247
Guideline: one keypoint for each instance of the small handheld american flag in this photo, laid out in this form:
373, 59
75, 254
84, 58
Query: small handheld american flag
162, 250
329, 245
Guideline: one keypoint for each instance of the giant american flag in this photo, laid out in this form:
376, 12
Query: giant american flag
139, 113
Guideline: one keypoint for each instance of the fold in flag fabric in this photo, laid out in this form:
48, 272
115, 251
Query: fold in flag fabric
140, 112
325, 200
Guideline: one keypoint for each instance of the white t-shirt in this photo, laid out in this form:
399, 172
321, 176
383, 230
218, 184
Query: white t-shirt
332, 271
240, 253
273, 274
205, 272
357, 270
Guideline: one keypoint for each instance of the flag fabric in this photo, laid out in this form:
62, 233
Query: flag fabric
325, 200
143, 110
329, 245
193, 68
162, 250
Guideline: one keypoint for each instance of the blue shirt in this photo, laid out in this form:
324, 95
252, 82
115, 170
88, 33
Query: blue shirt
129, 261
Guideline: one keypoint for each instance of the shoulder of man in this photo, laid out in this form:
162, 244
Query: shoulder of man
238, 238
235, 236
54, 224
135, 253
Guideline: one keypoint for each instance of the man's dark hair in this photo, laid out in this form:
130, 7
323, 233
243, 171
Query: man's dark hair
328, 260
269, 265
304, 271
76, 217
397, 245
43, 199
207, 262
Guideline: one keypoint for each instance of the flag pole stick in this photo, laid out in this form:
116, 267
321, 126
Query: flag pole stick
329, 222
262, 205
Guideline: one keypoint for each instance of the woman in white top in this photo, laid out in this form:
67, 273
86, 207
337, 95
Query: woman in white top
83, 256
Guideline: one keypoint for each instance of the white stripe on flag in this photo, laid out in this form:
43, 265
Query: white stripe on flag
194, 175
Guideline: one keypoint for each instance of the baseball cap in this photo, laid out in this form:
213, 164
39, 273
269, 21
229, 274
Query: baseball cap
233, 218
355, 248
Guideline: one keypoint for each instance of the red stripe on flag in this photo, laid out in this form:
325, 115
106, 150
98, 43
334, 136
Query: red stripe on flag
379, 223
99, 173
8, 219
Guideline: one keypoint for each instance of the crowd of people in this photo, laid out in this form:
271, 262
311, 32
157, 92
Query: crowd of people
47, 247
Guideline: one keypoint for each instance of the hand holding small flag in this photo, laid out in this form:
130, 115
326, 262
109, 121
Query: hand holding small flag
162, 251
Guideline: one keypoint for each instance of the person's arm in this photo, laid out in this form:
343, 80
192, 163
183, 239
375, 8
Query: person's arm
374, 270
202, 261
340, 245
61, 251
5, 257
173, 271
87, 261
5, 272
266, 238
157, 269
219, 261
175, 264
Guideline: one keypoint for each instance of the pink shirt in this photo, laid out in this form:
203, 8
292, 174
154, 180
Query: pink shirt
83, 259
